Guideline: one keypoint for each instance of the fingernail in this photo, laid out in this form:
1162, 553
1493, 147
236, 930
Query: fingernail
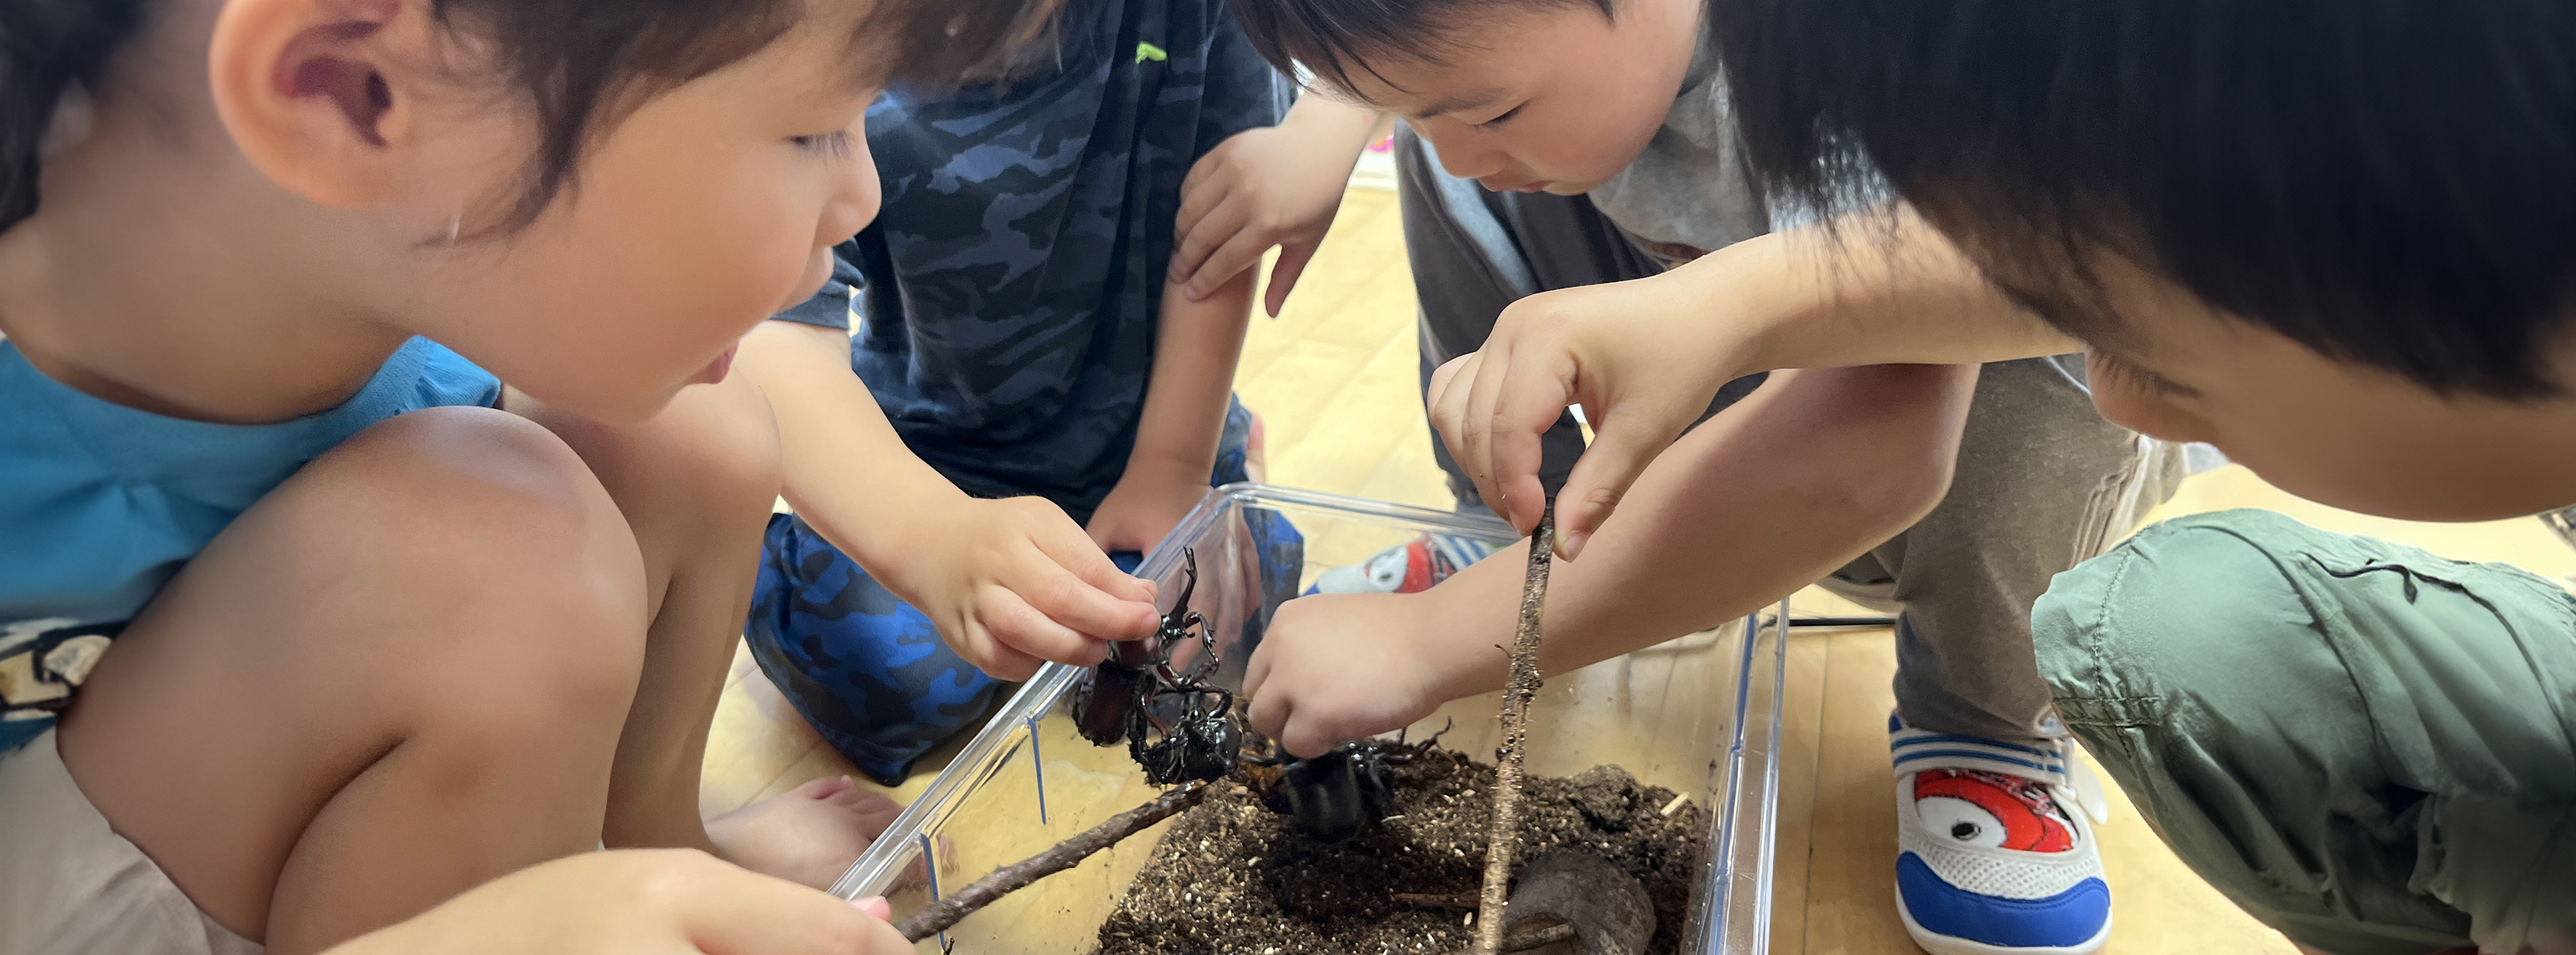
1574, 544
874, 905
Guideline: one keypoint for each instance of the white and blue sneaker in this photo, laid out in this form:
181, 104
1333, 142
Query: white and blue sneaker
1989, 859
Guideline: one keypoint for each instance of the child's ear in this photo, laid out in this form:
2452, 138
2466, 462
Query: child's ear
321, 95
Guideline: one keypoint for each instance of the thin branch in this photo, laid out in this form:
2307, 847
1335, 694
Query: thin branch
1449, 900
1538, 938
938, 916
1517, 694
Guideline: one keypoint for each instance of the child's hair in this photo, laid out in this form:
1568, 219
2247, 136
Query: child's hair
2389, 182
572, 56
1334, 39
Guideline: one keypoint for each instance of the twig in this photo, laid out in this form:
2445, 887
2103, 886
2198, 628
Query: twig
1426, 900
1063, 855
1507, 774
1538, 938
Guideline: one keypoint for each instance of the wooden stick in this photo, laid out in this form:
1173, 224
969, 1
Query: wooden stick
938, 916
1538, 938
1505, 841
1450, 900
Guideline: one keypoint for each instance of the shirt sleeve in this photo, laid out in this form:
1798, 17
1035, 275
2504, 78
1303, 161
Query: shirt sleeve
830, 308
1242, 91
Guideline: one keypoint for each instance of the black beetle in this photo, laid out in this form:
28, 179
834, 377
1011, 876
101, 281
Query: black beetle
1330, 796
1118, 699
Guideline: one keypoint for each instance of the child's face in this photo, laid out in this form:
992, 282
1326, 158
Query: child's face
702, 213
2350, 436
1553, 98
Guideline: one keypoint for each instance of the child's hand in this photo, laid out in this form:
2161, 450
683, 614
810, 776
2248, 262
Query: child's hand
1337, 667
1261, 188
1012, 583
640, 902
1643, 365
1144, 507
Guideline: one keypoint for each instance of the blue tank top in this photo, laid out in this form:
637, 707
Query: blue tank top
101, 504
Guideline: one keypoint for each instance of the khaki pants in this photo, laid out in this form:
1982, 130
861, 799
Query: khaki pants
2368, 747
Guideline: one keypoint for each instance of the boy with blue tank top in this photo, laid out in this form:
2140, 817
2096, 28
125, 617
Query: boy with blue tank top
308, 623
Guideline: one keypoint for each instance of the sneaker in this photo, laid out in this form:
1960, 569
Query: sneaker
1404, 568
1989, 859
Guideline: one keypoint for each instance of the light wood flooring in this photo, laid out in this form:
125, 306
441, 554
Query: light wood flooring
1334, 378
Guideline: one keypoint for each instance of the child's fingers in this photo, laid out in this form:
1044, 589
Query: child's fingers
1203, 238
1096, 569
1622, 446
1269, 713
1477, 433
727, 909
1528, 399
1198, 198
1031, 633
1448, 408
1283, 276
1071, 601
988, 653
1081, 588
1239, 254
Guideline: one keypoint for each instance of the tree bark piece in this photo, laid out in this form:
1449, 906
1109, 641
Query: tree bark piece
938, 916
1505, 842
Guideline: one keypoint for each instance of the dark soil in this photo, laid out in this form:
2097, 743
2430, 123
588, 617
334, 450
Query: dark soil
1231, 877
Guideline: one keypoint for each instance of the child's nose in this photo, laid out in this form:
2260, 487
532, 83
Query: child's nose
857, 198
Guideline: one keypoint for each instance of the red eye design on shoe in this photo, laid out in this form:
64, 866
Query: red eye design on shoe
1991, 809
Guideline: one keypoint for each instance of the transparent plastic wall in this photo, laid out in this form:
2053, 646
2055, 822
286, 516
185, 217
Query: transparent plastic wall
1698, 715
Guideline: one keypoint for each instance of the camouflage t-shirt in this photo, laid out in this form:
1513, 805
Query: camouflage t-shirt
1008, 292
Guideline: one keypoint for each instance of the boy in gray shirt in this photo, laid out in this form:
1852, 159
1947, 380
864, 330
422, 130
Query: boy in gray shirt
1560, 170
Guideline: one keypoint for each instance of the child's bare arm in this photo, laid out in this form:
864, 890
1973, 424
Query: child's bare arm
1644, 357
1009, 582
1810, 471
1274, 186
639, 902
1195, 349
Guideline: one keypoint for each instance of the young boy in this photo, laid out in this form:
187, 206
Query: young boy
2335, 240
299, 634
1023, 371
1590, 164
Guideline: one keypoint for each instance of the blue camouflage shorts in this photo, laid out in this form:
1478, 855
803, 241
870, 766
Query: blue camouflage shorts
870, 671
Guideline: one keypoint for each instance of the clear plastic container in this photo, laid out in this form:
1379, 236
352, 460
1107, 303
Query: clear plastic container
1699, 715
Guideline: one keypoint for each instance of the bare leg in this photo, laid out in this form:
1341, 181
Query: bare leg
696, 484
399, 675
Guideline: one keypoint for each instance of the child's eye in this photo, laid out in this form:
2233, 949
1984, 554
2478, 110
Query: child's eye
834, 145
1498, 121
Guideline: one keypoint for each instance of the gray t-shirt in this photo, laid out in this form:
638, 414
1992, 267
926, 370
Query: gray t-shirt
1690, 192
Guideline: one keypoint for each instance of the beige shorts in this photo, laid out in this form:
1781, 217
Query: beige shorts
69, 885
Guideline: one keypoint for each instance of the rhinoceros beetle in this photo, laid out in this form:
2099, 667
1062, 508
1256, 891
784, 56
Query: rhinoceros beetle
1330, 796
1119, 699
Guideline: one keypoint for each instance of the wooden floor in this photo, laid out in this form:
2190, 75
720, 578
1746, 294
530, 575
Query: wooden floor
1334, 378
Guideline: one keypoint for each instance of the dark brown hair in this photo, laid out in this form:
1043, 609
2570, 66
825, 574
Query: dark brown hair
583, 63
1336, 39
2385, 181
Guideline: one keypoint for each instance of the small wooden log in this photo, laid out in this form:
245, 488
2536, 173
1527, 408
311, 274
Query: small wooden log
1505, 841
938, 916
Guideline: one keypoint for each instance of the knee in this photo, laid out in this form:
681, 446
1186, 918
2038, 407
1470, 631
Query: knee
2182, 604
495, 527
